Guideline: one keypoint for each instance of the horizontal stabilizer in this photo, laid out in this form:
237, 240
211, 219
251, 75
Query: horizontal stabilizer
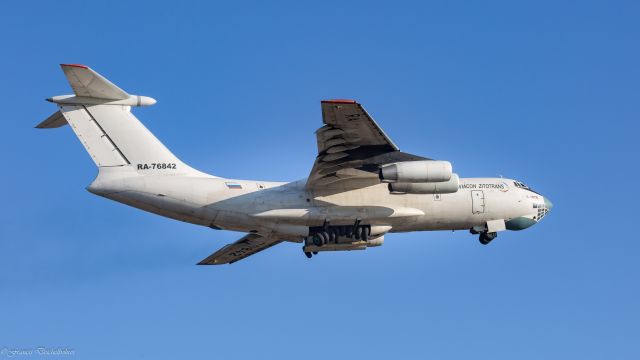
56, 120
88, 83
247, 246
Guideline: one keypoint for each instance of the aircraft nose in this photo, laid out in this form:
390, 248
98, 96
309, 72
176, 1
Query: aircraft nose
548, 203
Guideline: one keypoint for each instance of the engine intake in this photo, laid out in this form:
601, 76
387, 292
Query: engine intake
423, 171
444, 187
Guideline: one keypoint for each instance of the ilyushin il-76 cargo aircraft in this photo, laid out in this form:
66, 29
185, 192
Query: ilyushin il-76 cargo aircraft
360, 188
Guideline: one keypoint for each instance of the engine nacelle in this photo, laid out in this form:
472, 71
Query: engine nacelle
422, 171
444, 187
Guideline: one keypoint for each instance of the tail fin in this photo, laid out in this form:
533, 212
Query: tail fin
100, 115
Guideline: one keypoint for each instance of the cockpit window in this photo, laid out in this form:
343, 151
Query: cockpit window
521, 185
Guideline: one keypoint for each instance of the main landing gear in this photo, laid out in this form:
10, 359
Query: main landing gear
328, 234
309, 254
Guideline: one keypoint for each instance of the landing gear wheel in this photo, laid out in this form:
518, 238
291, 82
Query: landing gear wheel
325, 237
317, 239
485, 238
308, 254
315, 253
364, 233
333, 236
348, 232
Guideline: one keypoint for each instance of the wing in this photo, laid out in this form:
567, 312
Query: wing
88, 83
247, 246
351, 147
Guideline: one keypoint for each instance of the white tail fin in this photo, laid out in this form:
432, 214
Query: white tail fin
107, 129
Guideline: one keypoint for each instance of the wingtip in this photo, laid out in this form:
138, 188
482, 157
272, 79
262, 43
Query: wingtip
76, 65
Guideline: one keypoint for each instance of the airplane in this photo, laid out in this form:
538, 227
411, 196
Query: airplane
361, 186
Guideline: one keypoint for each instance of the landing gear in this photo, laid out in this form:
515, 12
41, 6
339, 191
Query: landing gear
336, 236
318, 239
485, 237
331, 234
309, 254
365, 231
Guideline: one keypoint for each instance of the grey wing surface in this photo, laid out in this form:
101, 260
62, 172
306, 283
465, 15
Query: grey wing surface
248, 245
351, 148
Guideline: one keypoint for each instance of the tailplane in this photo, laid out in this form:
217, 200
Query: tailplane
100, 115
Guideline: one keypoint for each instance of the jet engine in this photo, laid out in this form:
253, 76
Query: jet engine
443, 187
422, 171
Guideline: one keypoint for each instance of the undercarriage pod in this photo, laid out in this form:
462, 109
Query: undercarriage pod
352, 244
378, 241
344, 238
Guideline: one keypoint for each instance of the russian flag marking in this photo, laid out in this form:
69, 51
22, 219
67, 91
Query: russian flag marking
233, 185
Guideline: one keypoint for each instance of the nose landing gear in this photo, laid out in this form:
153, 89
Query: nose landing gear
486, 237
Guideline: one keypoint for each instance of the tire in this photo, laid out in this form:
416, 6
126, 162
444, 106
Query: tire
317, 239
333, 236
364, 233
325, 237
484, 240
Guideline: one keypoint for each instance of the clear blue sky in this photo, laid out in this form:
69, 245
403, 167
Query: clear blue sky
545, 92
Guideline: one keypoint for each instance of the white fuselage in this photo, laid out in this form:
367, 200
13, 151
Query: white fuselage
287, 210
